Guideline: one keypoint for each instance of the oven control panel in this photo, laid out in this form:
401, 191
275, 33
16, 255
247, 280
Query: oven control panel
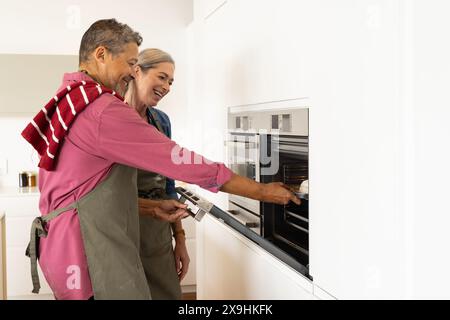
281, 121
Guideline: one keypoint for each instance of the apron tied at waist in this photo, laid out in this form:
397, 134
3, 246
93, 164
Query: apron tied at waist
38, 230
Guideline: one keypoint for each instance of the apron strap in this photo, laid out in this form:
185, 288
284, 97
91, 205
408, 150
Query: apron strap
38, 230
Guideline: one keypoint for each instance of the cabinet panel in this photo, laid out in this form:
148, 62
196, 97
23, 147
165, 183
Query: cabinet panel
258, 57
2, 258
18, 274
428, 217
357, 246
235, 268
189, 225
18, 231
20, 211
190, 278
21, 206
43, 75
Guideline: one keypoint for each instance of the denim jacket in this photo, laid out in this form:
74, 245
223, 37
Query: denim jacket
166, 126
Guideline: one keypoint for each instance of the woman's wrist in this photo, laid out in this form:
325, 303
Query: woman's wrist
179, 234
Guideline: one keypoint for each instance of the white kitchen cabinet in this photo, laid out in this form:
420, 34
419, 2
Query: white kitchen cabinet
427, 157
354, 59
357, 239
43, 74
254, 52
232, 267
21, 206
189, 282
21, 209
2, 257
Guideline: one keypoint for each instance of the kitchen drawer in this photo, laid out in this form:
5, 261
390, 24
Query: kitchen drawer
18, 231
19, 276
21, 206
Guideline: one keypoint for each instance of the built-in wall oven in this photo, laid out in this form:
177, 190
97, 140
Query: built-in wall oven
269, 146
243, 159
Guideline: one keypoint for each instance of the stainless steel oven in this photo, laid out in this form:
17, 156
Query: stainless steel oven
270, 146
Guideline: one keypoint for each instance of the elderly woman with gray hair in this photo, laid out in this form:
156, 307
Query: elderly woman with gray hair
164, 265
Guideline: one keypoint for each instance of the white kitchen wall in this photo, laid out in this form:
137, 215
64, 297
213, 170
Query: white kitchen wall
56, 27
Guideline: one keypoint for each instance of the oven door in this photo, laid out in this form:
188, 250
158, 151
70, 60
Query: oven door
243, 159
288, 226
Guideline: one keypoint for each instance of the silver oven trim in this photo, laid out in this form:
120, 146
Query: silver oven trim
253, 141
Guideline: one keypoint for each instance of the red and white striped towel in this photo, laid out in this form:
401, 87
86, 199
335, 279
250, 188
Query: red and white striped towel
47, 130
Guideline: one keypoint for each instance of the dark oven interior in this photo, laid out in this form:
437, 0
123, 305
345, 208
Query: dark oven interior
288, 226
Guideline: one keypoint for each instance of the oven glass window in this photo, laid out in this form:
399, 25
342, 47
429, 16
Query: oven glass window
242, 155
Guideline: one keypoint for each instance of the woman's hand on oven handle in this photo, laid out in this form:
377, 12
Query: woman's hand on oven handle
275, 192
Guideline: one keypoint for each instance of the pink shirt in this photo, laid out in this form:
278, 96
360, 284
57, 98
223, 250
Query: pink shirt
106, 132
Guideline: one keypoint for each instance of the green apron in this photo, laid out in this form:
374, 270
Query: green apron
156, 238
109, 223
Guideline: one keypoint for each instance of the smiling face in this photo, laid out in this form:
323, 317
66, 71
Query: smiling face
154, 83
115, 71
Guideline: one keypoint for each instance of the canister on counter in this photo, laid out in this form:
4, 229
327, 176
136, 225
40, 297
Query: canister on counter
23, 179
31, 179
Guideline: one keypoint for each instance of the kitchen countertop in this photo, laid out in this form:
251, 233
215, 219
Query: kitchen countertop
18, 192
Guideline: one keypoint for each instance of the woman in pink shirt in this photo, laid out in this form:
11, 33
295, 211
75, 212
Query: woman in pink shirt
91, 249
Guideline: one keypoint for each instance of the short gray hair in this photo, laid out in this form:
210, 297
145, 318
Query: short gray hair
109, 33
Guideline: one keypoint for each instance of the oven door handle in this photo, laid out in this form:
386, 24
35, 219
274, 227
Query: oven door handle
238, 216
292, 149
